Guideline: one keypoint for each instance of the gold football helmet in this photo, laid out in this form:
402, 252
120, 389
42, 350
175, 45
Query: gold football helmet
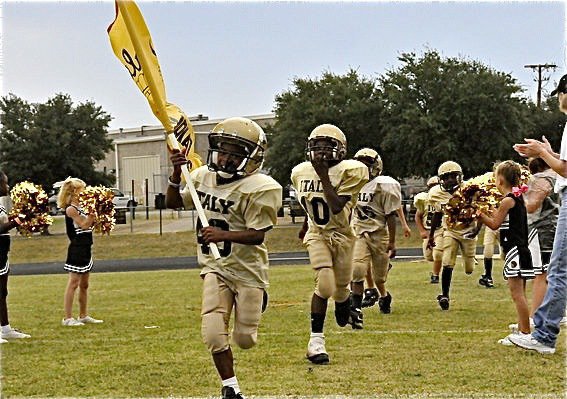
370, 158
236, 148
328, 138
432, 181
450, 175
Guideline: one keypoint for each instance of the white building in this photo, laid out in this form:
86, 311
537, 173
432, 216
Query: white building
140, 155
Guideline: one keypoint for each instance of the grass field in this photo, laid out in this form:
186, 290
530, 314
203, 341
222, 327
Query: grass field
150, 345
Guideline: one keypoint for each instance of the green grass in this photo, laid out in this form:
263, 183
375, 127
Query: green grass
417, 350
125, 245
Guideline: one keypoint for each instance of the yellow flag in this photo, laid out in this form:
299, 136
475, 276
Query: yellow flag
132, 45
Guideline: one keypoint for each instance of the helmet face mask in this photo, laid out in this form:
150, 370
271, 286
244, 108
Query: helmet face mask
450, 176
450, 181
236, 148
326, 142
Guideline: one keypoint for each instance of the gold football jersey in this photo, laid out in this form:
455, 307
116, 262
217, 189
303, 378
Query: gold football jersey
422, 204
378, 198
248, 203
347, 177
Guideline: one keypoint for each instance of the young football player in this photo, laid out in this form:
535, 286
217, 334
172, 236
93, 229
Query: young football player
374, 222
327, 187
423, 216
454, 238
371, 294
241, 206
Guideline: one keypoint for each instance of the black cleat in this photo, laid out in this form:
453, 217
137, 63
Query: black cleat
342, 312
321, 358
356, 319
434, 279
228, 393
384, 303
370, 297
443, 302
486, 281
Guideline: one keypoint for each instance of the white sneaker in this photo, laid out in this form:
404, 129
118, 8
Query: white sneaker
71, 322
515, 329
13, 334
506, 341
3, 341
89, 320
527, 341
316, 352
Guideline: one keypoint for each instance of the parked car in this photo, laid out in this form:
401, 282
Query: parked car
52, 200
120, 200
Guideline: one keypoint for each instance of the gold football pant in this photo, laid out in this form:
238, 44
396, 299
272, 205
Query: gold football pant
330, 255
451, 246
371, 249
435, 254
491, 239
220, 297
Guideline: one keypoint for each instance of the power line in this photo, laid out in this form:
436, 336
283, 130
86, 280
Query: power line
539, 68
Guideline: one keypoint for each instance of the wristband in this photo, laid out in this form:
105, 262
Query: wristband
172, 184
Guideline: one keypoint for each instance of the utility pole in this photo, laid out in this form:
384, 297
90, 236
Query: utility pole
539, 68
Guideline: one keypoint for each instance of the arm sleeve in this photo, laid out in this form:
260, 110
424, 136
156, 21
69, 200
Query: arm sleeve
261, 210
392, 198
419, 203
353, 180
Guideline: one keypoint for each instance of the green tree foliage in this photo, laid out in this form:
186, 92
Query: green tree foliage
547, 121
47, 142
438, 109
347, 101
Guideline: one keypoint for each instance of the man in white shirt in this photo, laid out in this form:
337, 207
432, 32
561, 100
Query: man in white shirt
548, 316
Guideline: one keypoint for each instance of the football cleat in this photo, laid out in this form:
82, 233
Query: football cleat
443, 302
434, 279
316, 352
370, 297
342, 312
486, 281
356, 317
384, 303
228, 393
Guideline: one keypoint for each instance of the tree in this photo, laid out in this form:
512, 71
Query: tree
547, 121
48, 142
438, 109
348, 101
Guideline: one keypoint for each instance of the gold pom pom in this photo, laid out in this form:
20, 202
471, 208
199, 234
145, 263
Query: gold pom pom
29, 204
478, 193
98, 201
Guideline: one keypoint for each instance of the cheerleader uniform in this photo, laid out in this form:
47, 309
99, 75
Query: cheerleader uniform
79, 254
514, 241
4, 239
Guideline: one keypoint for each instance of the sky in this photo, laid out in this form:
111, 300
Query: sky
224, 59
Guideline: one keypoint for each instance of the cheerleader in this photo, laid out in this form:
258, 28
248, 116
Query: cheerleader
79, 263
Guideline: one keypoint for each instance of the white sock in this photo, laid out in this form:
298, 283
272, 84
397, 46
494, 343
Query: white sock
6, 328
233, 383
